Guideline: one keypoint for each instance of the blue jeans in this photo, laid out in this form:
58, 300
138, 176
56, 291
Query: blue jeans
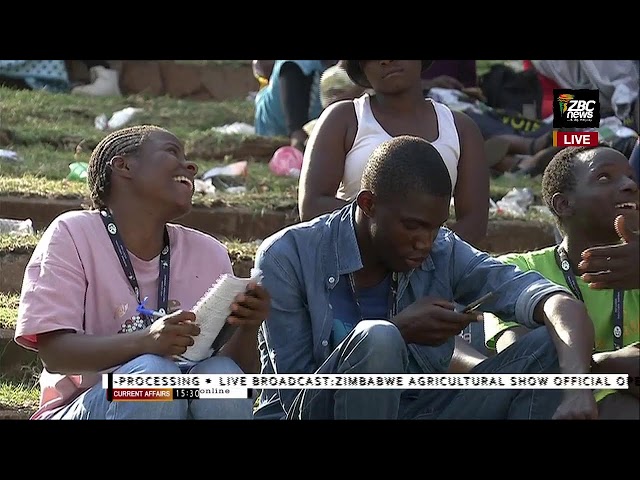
93, 404
376, 347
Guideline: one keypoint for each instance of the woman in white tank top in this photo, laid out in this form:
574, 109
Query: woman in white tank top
370, 134
347, 132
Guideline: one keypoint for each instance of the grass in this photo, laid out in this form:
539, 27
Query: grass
15, 395
8, 310
45, 129
500, 186
17, 244
242, 250
38, 117
264, 191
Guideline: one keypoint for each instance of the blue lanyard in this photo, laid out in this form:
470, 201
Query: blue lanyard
127, 267
562, 259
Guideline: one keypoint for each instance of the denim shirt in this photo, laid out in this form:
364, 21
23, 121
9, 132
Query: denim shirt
302, 263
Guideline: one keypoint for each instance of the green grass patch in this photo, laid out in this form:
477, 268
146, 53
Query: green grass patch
500, 186
8, 310
241, 251
264, 191
32, 186
41, 117
15, 395
45, 129
17, 244
51, 159
26, 244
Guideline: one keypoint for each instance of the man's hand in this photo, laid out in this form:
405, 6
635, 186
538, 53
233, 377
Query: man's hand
615, 266
251, 308
430, 321
577, 405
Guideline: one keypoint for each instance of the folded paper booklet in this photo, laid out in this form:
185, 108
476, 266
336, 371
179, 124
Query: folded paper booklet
211, 313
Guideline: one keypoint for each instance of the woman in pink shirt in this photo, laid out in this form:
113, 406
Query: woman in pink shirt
92, 269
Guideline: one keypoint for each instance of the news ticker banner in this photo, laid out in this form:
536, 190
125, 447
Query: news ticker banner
168, 387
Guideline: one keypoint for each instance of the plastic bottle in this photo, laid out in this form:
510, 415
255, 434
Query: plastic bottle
78, 171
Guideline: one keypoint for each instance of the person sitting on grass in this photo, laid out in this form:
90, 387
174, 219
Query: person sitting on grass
92, 269
290, 99
371, 289
348, 131
592, 193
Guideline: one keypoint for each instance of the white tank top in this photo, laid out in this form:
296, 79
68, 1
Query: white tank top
370, 134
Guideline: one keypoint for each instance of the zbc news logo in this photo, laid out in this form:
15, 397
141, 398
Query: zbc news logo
576, 109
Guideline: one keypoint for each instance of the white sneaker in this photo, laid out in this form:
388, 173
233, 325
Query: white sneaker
104, 83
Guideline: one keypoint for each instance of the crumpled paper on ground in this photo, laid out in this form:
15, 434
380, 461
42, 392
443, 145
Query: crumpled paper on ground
118, 119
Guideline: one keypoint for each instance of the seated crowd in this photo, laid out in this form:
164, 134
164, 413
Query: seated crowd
370, 281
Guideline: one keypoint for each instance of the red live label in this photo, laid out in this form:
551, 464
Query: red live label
575, 139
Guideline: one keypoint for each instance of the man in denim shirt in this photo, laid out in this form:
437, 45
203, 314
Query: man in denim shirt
370, 289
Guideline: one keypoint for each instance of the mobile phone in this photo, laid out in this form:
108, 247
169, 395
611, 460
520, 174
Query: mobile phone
475, 304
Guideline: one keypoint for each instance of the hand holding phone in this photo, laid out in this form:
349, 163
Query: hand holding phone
475, 304
431, 321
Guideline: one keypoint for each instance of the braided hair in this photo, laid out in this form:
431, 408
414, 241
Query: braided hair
125, 141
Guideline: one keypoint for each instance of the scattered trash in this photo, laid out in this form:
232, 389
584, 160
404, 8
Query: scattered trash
101, 122
237, 169
16, 227
612, 132
205, 187
78, 171
611, 127
118, 119
239, 189
10, 155
543, 211
228, 179
235, 128
515, 202
493, 207
286, 162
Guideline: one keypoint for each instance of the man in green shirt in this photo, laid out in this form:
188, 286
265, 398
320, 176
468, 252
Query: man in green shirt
592, 193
